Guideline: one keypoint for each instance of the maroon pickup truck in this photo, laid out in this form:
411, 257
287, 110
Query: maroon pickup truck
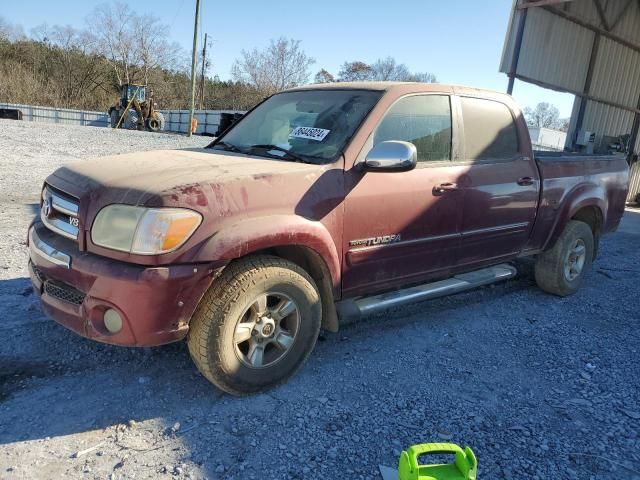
322, 204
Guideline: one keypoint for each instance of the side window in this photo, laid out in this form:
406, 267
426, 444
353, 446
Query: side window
489, 129
424, 120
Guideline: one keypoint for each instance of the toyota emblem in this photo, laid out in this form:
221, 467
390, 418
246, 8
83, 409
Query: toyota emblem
46, 207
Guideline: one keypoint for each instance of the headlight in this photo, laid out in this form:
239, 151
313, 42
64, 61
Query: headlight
143, 231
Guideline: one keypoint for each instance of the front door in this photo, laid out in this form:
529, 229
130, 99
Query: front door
403, 227
501, 184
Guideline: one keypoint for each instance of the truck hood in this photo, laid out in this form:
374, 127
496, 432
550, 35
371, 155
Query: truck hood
222, 186
144, 175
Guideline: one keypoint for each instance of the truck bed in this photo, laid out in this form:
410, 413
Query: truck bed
570, 180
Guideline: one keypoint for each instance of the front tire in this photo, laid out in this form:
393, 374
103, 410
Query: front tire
114, 117
560, 270
256, 325
130, 121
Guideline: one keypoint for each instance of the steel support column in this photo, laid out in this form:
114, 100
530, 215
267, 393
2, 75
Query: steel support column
516, 50
587, 87
635, 127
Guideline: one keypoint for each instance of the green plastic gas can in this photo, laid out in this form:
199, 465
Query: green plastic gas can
463, 468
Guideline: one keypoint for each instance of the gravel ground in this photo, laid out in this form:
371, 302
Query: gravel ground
541, 387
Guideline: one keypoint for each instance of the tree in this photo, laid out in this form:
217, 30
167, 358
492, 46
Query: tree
389, 69
384, 69
133, 44
543, 115
283, 64
563, 124
324, 76
10, 32
355, 71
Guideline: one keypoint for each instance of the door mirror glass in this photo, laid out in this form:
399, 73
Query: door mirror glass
391, 156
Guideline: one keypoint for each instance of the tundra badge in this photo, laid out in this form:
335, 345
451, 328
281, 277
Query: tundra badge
368, 242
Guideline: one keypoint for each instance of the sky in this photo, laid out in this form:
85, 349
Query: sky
459, 41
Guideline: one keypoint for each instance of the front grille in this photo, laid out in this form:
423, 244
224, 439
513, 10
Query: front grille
64, 292
59, 290
59, 213
38, 273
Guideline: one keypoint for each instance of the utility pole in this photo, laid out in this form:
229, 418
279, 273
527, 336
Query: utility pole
193, 67
204, 63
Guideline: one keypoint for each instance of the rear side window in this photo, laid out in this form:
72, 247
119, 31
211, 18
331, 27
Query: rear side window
489, 129
424, 120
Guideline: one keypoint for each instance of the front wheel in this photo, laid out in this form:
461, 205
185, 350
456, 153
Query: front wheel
256, 325
561, 269
114, 117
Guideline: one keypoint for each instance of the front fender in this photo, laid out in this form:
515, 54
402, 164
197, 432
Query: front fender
254, 234
584, 195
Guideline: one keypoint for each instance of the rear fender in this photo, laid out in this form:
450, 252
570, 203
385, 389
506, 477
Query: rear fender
584, 195
255, 234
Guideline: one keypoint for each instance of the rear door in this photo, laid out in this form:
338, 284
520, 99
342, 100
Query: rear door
501, 184
398, 228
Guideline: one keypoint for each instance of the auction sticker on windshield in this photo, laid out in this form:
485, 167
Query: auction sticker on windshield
310, 133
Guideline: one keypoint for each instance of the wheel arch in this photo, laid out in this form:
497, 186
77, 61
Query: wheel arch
586, 204
306, 243
311, 262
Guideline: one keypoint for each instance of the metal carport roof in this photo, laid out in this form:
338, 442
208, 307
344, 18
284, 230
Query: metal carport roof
590, 48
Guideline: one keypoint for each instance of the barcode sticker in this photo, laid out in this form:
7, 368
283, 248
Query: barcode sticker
310, 133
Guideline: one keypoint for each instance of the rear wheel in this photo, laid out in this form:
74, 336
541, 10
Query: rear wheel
561, 269
256, 325
156, 122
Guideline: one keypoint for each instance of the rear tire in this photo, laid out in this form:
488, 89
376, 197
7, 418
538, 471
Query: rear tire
256, 325
561, 269
156, 122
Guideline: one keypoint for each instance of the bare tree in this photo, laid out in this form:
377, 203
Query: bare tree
424, 77
563, 124
389, 69
133, 44
384, 69
114, 37
323, 76
543, 115
355, 71
10, 32
283, 64
153, 48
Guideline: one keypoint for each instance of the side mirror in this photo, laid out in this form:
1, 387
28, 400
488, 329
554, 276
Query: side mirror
391, 156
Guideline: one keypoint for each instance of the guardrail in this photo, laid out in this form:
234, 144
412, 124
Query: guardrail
175, 120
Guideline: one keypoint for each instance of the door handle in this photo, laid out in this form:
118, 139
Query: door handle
445, 187
525, 181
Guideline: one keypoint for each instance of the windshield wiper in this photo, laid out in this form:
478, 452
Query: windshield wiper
228, 146
288, 153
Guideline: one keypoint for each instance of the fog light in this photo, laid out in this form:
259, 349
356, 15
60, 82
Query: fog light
113, 321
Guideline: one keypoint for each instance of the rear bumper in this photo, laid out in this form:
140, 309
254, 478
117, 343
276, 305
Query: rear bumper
155, 303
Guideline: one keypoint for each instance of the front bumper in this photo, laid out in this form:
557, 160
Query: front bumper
77, 288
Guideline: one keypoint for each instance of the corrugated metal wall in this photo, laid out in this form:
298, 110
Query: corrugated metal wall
175, 120
208, 120
60, 115
556, 51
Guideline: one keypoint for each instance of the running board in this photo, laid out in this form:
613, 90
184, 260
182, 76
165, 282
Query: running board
352, 309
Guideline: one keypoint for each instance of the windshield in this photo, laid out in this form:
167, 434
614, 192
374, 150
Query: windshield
308, 125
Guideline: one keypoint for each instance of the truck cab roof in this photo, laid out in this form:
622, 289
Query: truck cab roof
406, 87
